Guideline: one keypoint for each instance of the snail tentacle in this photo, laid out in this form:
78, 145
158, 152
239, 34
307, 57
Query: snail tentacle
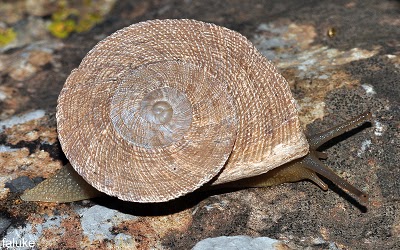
311, 162
309, 166
317, 140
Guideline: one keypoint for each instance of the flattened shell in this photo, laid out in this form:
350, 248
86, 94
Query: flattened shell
157, 109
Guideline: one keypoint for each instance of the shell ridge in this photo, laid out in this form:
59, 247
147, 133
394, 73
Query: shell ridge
148, 70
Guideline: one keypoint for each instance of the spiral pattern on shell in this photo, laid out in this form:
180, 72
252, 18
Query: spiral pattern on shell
157, 109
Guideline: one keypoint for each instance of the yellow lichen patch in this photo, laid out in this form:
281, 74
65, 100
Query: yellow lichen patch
71, 17
62, 28
7, 36
88, 21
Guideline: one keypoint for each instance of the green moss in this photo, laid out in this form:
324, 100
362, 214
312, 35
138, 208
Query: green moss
7, 36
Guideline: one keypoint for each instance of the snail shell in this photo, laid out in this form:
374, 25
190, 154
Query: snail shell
159, 108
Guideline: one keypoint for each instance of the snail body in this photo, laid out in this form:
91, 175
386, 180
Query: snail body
160, 108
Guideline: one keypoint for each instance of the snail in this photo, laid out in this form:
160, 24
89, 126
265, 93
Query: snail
163, 107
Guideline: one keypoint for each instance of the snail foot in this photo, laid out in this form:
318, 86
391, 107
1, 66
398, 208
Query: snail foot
65, 186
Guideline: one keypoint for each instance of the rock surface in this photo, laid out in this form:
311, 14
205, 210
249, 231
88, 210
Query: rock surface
340, 58
239, 242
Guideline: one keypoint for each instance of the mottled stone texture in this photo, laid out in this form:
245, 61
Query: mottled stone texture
340, 58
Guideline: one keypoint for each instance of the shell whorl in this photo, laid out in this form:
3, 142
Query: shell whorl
157, 109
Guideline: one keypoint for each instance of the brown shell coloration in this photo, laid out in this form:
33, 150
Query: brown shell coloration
161, 107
